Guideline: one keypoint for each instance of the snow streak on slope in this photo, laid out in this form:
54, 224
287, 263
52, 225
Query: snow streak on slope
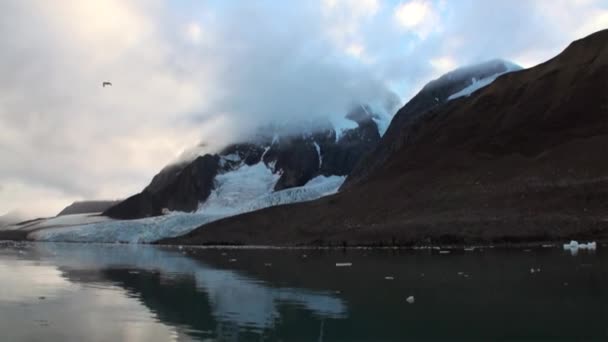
245, 189
61, 221
481, 83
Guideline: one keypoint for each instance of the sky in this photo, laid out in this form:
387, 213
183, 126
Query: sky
202, 74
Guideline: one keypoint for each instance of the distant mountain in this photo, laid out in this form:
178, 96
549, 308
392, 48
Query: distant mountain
285, 159
87, 207
11, 218
521, 159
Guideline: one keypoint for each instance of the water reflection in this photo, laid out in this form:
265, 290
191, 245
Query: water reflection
144, 293
209, 301
37, 302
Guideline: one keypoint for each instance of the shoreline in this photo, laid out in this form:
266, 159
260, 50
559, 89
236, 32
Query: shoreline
547, 244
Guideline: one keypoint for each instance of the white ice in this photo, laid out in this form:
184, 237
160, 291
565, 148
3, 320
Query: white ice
245, 189
481, 83
574, 246
61, 221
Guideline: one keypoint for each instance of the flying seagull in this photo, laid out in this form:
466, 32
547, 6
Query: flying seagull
106, 84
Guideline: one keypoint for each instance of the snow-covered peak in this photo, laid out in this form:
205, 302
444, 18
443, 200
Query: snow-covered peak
476, 84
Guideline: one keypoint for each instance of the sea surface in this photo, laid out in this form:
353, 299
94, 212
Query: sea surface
91, 292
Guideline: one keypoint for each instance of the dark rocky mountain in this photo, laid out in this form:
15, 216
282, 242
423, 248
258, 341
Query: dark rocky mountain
297, 157
433, 95
520, 160
87, 207
177, 187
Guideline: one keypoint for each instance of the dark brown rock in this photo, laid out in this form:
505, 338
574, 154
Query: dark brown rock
87, 207
179, 187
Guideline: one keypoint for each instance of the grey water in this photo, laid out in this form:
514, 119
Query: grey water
86, 292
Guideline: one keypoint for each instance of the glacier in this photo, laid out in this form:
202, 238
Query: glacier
245, 189
239, 188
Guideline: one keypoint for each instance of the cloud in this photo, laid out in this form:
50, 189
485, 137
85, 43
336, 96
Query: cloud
443, 65
418, 16
181, 77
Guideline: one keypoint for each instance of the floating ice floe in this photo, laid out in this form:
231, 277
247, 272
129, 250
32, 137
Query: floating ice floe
344, 264
389, 278
410, 299
573, 246
444, 252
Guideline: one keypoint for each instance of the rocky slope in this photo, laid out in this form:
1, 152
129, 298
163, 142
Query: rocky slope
87, 207
435, 94
522, 159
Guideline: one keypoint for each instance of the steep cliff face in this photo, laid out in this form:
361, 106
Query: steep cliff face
295, 157
522, 159
87, 207
178, 187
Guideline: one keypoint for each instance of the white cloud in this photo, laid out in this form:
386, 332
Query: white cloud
344, 20
443, 64
418, 16
179, 78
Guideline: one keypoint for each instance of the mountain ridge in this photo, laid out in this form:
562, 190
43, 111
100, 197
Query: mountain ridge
519, 160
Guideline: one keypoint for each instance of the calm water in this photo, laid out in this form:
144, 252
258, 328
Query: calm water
72, 292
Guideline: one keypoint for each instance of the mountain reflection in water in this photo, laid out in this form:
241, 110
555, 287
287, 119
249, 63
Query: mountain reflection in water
148, 293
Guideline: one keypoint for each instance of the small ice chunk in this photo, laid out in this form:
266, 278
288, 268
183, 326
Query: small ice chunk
469, 249
267, 264
389, 278
344, 264
573, 246
232, 260
444, 252
410, 299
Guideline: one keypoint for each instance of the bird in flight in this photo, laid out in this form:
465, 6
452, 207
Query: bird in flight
106, 84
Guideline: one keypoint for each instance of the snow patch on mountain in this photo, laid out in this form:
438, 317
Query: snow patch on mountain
341, 125
243, 185
477, 84
245, 189
318, 148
